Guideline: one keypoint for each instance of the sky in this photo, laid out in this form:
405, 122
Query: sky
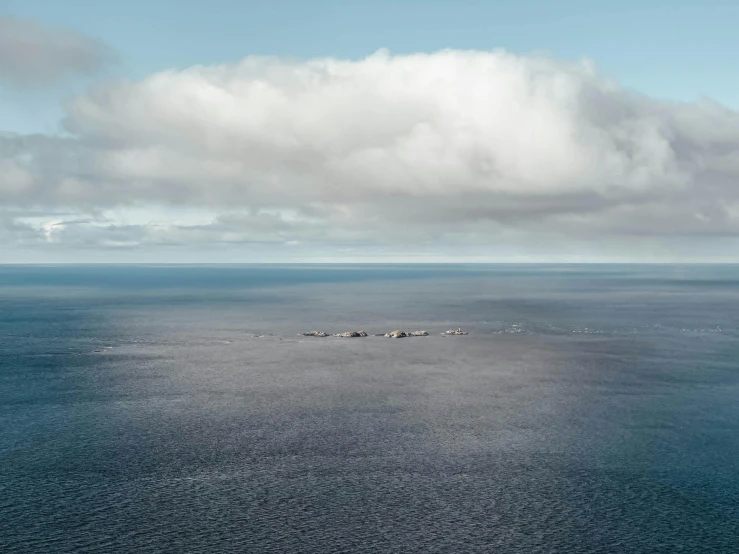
321, 131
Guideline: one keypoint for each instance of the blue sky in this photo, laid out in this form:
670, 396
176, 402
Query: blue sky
271, 131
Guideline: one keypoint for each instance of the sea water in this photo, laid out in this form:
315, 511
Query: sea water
591, 408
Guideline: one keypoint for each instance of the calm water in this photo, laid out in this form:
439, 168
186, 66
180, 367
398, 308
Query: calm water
175, 409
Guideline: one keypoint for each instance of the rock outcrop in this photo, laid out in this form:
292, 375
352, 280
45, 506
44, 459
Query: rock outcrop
352, 334
398, 334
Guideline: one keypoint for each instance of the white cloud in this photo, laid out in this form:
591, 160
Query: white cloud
14, 178
411, 149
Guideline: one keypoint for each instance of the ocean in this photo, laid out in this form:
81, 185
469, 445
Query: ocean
590, 409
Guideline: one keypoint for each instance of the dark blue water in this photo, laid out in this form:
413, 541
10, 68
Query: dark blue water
175, 409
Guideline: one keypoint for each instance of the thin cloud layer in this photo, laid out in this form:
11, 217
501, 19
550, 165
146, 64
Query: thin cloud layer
35, 55
389, 149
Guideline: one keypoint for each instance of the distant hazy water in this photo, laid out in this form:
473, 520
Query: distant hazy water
591, 409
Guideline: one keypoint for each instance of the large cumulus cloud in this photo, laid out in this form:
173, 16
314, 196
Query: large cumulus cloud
413, 147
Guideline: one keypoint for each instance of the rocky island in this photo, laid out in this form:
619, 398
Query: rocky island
352, 334
397, 334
